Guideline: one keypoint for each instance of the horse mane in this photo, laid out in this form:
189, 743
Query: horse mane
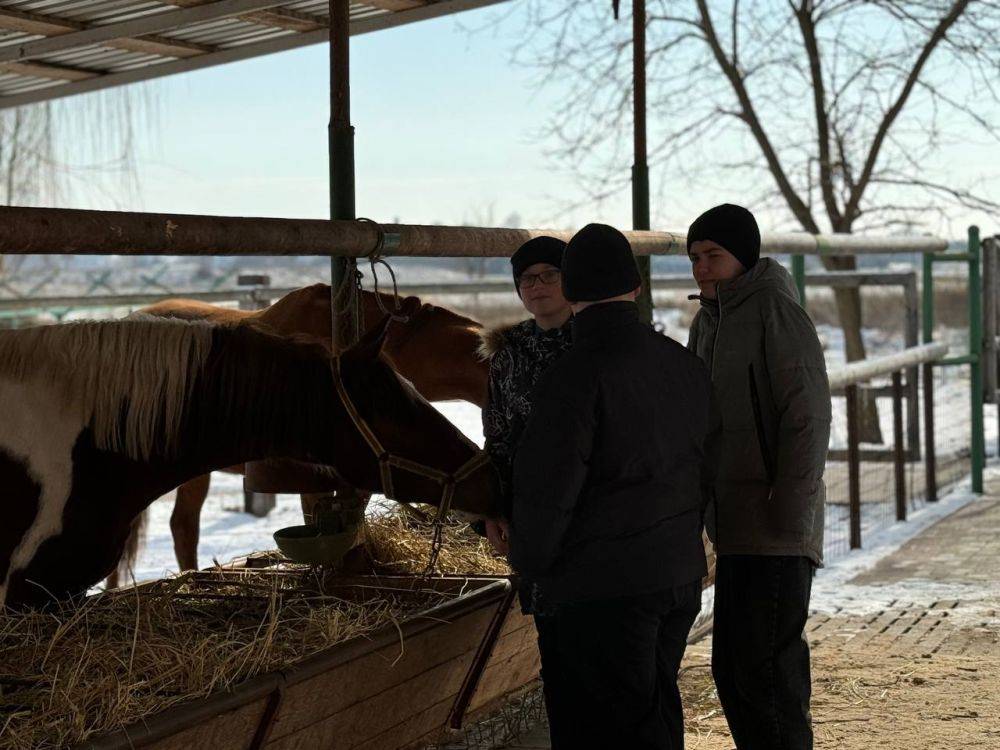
129, 380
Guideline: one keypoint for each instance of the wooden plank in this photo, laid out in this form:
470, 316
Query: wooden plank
233, 729
395, 5
374, 673
515, 661
47, 70
160, 45
416, 732
37, 24
45, 25
280, 18
506, 676
386, 715
284, 18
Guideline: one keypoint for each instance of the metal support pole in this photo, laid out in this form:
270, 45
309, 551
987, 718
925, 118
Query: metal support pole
990, 383
991, 330
899, 453
930, 455
911, 300
976, 364
257, 504
927, 306
640, 169
799, 275
853, 465
341, 163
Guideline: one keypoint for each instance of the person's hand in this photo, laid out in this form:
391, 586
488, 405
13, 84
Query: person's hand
498, 532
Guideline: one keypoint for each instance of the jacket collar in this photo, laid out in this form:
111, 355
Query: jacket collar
596, 320
766, 274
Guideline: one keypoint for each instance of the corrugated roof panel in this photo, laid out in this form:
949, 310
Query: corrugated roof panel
82, 35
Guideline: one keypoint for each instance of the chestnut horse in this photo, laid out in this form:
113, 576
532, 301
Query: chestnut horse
98, 419
435, 349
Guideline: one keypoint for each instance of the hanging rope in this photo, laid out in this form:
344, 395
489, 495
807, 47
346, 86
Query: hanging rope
375, 258
340, 302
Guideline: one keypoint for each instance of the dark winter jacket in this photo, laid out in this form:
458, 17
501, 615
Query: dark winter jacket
608, 482
771, 389
518, 355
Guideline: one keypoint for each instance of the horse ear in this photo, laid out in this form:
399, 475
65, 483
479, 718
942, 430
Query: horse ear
369, 346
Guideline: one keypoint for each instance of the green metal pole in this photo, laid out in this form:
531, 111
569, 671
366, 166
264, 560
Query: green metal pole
975, 294
799, 275
341, 159
640, 169
927, 300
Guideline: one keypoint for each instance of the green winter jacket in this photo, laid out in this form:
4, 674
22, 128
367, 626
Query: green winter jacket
770, 384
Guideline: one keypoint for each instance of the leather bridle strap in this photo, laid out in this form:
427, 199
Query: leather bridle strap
387, 461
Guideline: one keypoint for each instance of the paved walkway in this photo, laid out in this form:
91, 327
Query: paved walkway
907, 656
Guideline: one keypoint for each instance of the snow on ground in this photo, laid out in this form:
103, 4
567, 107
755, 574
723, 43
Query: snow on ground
833, 591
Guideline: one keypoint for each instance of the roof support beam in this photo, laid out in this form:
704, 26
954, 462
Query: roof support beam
49, 71
54, 26
279, 18
396, 5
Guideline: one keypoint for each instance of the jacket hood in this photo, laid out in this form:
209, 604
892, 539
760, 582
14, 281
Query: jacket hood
516, 336
767, 274
493, 339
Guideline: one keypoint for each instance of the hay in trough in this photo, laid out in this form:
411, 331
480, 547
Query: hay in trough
400, 544
123, 656
71, 673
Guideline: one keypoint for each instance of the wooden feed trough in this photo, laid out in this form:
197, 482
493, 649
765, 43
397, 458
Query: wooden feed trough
397, 688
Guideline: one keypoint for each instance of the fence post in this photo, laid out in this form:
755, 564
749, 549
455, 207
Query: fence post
976, 361
912, 334
853, 465
799, 275
930, 459
899, 454
991, 326
256, 503
927, 303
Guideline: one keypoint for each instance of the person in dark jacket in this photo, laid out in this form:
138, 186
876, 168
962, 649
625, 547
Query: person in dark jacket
607, 516
770, 384
519, 354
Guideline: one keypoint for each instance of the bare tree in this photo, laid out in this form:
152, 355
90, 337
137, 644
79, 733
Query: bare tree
836, 106
80, 149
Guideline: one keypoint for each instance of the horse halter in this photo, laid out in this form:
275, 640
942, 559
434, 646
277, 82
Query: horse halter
387, 461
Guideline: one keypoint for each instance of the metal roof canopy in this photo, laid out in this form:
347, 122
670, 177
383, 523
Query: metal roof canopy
55, 48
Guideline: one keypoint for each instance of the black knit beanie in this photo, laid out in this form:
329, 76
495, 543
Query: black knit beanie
732, 227
598, 264
536, 250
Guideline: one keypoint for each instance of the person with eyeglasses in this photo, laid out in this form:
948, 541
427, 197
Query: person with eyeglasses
519, 354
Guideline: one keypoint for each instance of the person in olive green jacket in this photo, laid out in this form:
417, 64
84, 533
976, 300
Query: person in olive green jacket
766, 519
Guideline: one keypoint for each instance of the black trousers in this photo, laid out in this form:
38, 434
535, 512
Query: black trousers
609, 670
760, 659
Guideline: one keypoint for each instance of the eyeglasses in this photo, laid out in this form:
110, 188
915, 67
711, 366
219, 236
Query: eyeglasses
527, 280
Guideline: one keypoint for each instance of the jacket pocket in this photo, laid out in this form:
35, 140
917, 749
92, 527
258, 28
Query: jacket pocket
765, 453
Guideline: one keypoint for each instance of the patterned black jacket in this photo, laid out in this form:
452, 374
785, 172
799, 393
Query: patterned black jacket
518, 355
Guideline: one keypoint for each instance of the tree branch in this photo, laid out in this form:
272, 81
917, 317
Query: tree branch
803, 14
851, 209
749, 116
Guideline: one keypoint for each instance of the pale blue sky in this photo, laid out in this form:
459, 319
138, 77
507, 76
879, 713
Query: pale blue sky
446, 132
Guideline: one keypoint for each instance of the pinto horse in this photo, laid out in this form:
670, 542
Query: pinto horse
436, 349
98, 419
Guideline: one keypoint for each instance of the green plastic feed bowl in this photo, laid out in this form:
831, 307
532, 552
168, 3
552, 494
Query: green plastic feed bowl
305, 544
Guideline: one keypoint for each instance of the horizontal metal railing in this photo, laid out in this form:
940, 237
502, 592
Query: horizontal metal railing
848, 377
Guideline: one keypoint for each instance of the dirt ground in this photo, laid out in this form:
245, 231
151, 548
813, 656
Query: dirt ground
887, 702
